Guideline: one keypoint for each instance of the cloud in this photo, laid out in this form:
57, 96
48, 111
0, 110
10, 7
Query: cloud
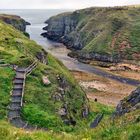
61, 4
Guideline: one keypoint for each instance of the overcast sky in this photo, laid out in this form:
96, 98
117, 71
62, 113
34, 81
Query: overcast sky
61, 4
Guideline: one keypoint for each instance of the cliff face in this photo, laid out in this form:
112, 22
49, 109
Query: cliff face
15, 21
129, 104
108, 32
59, 29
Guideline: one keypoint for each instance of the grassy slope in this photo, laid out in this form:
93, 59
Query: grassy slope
107, 130
109, 22
7, 132
40, 108
17, 49
6, 76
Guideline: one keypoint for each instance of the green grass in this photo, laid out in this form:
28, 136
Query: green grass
15, 47
6, 77
119, 129
8, 132
112, 22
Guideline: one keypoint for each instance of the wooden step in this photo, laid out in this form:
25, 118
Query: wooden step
14, 105
17, 91
17, 95
18, 86
15, 99
14, 117
18, 81
13, 114
14, 108
22, 70
20, 76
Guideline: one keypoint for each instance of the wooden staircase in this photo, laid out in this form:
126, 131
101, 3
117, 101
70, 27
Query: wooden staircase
17, 94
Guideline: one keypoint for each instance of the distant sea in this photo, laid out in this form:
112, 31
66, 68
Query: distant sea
37, 18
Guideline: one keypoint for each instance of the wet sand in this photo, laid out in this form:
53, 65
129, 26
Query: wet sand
106, 91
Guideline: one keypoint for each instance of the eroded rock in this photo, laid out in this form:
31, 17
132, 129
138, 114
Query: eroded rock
62, 112
128, 104
42, 57
97, 120
85, 112
15, 21
57, 96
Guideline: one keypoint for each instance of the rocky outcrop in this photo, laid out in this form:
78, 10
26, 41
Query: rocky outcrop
66, 111
42, 57
97, 120
82, 56
61, 26
130, 103
15, 21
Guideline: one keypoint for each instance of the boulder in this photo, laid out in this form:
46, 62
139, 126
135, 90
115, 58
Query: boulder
46, 81
62, 112
96, 121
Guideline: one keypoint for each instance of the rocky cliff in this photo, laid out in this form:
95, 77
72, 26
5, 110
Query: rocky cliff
105, 34
15, 21
129, 104
60, 26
